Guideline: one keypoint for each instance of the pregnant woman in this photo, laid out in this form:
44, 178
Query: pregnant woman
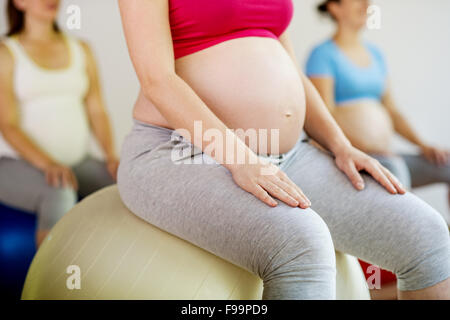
351, 77
49, 94
226, 70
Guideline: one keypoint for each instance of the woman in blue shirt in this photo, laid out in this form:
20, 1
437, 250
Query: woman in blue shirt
352, 77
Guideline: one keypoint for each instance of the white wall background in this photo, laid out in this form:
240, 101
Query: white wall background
414, 35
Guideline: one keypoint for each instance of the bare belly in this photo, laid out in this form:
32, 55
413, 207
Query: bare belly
249, 83
367, 125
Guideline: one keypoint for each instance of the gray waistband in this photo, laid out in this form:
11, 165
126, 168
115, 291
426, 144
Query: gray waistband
280, 158
275, 159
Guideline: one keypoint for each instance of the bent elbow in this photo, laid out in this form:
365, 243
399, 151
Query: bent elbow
155, 85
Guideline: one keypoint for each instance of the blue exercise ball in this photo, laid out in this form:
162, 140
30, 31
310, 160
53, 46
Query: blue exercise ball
17, 249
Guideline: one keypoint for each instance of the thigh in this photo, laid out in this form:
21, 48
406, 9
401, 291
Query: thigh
424, 172
92, 175
21, 184
201, 203
372, 224
397, 166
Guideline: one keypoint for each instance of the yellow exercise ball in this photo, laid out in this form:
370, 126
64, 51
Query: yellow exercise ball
101, 250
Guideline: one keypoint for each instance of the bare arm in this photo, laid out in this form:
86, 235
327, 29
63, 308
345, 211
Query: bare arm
319, 123
9, 116
325, 87
97, 115
403, 127
147, 31
95, 108
16, 137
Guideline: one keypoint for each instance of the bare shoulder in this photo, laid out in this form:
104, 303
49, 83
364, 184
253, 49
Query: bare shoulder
6, 58
86, 47
87, 51
85, 44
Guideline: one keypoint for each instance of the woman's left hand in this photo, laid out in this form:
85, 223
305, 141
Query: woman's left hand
351, 160
112, 164
437, 156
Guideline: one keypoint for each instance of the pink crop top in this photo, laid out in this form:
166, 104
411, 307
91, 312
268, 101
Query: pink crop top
198, 24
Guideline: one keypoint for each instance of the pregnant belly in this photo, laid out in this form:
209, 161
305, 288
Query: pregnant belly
60, 128
367, 125
251, 84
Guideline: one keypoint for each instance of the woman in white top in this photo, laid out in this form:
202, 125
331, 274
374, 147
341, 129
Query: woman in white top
49, 99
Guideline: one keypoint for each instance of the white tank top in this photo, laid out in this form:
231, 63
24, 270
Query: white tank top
51, 104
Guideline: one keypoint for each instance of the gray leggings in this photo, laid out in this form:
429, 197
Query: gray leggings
24, 187
291, 249
414, 170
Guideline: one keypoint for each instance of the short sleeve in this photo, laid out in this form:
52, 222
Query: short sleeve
319, 62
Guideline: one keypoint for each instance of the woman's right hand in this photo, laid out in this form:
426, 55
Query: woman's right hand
265, 181
58, 175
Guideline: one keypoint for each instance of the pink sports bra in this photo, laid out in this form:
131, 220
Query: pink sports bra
198, 24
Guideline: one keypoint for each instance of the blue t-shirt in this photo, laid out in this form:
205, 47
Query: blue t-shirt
351, 82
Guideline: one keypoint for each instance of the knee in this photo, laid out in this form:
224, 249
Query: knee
54, 204
428, 255
303, 244
433, 230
